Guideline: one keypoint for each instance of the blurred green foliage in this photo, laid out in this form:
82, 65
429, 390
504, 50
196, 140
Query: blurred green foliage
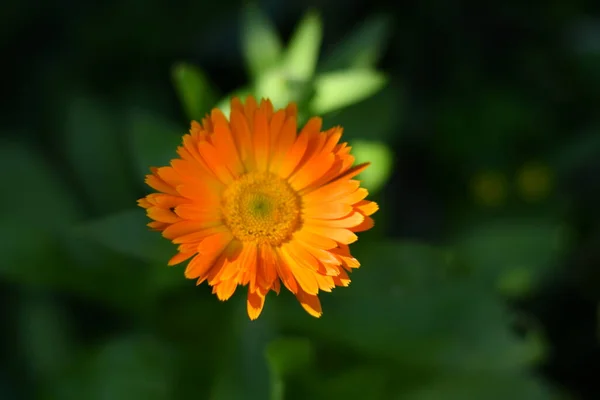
99, 315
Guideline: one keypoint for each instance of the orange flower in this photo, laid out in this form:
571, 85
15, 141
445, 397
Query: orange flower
255, 203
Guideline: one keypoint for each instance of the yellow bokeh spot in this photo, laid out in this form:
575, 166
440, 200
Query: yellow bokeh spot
489, 188
534, 181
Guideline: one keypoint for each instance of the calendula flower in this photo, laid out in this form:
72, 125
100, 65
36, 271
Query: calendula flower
253, 202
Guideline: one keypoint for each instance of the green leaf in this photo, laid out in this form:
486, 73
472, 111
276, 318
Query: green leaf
363, 382
261, 44
46, 337
303, 50
508, 251
422, 315
35, 212
154, 140
241, 374
579, 150
195, 91
133, 367
362, 48
335, 90
381, 159
287, 357
376, 118
480, 385
96, 154
126, 232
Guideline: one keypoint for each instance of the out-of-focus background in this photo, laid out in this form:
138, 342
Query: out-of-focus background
480, 280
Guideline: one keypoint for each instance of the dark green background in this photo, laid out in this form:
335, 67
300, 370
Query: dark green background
471, 285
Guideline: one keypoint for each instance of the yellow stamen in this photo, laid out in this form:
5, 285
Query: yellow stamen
261, 207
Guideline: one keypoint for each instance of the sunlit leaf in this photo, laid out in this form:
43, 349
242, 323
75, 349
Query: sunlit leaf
261, 44
335, 90
126, 232
362, 48
381, 159
154, 140
303, 50
195, 91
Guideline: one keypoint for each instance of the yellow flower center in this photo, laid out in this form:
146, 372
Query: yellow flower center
261, 207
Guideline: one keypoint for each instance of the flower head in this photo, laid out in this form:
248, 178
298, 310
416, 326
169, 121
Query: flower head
253, 202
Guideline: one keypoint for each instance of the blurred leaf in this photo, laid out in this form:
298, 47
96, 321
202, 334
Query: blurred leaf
194, 89
261, 44
478, 385
96, 153
493, 249
362, 48
288, 356
274, 86
154, 141
579, 150
335, 90
240, 375
381, 159
421, 315
126, 232
303, 50
124, 368
45, 336
35, 212
375, 118
364, 382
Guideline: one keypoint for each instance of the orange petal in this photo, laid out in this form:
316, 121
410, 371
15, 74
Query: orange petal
367, 224
330, 210
350, 221
198, 212
284, 143
243, 138
225, 289
293, 156
330, 192
283, 270
340, 235
310, 303
266, 269
197, 236
162, 215
225, 144
208, 252
303, 274
314, 239
367, 207
261, 140
255, 303
179, 258
313, 170
217, 166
